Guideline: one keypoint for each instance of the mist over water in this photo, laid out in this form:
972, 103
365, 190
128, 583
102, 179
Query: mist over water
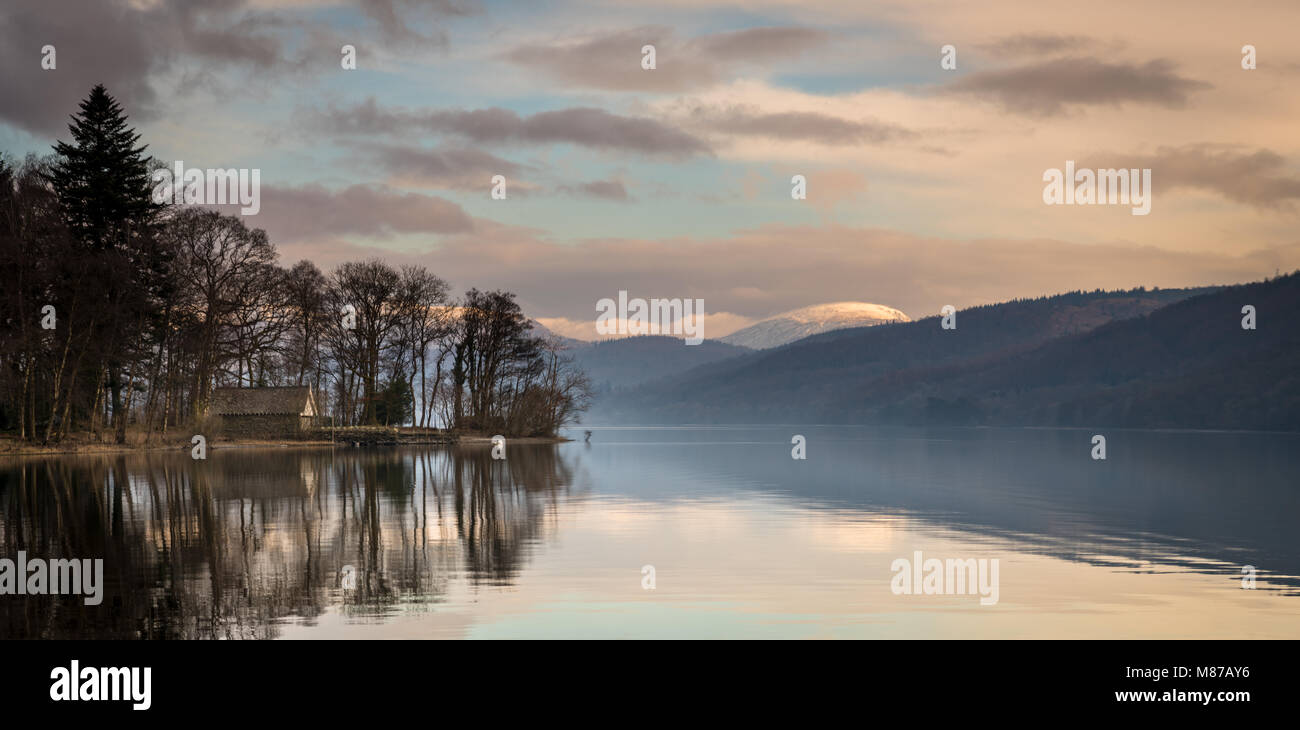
743, 540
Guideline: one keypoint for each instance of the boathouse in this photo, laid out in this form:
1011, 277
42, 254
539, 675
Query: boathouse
279, 412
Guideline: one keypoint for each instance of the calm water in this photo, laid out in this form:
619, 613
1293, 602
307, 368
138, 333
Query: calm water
744, 541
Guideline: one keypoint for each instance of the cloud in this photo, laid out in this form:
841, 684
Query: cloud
448, 166
125, 45
711, 325
583, 126
601, 129
1047, 88
130, 46
775, 268
605, 189
798, 125
612, 61
1036, 44
1255, 178
758, 44
94, 43
296, 214
396, 27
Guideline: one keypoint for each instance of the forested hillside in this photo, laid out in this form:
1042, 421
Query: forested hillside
1165, 358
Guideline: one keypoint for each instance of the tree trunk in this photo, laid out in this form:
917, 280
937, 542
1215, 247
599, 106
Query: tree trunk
119, 425
58, 380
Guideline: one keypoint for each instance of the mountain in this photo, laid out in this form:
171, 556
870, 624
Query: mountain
800, 323
919, 373
630, 361
540, 330
1187, 365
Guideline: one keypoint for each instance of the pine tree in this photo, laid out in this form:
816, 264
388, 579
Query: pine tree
102, 177
101, 180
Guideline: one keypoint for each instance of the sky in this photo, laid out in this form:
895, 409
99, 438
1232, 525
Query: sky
924, 184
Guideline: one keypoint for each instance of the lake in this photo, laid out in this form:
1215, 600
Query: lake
675, 532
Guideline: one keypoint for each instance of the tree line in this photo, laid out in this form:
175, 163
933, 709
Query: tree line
121, 310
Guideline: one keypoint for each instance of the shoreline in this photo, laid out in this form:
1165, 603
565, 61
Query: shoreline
12, 446
476, 439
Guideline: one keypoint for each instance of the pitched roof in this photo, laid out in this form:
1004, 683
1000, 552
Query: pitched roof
289, 400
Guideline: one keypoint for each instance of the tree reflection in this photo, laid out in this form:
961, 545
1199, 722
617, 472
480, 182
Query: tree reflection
237, 545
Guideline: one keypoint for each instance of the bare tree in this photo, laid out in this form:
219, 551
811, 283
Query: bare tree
222, 267
424, 323
370, 288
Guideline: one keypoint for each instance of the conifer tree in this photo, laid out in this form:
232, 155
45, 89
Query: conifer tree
102, 182
102, 177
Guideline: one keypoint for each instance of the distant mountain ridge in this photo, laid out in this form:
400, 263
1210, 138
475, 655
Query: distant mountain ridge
541, 330
630, 361
800, 323
1140, 358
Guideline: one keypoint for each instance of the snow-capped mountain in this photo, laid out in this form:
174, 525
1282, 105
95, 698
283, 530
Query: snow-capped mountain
800, 323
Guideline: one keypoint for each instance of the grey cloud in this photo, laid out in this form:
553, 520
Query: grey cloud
1049, 87
759, 44
1036, 44
366, 118
453, 167
219, 31
94, 43
1257, 178
122, 46
128, 46
587, 127
808, 126
599, 128
312, 211
385, 14
605, 189
394, 18
613, 61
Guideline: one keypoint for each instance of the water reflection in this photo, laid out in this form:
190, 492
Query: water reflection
286, 543
226, 548
1208, 502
